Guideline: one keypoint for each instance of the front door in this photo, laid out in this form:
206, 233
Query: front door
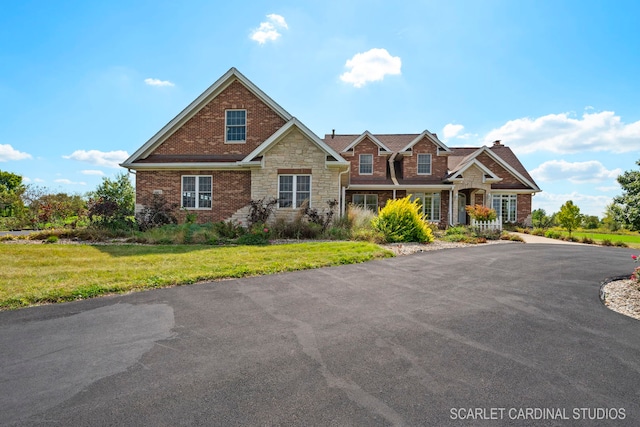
462, 204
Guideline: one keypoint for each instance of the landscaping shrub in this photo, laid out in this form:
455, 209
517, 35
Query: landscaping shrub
587, 240
159, 212
260, 210
606, 242
481, 213
315, 217
401, 221
538, 231
551, 234
621, 244
228, 229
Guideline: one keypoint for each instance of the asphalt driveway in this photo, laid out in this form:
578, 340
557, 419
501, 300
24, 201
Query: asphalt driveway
508, 334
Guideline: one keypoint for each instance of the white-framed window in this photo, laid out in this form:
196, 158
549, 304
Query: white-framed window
196, 191
506, 206
366, 164
424, 164
430, 205
367, 201
293, 190
235, 122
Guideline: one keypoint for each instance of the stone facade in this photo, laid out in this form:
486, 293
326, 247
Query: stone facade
295, 149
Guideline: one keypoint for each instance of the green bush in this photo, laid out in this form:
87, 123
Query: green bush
621, 244
551, 234
538, 231
401, 221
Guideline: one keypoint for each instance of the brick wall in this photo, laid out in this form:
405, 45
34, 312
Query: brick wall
507, 177
366, 146
204, 133
231, 191
523, 213
410, 163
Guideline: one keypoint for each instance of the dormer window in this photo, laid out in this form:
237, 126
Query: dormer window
366, 164
424, 164
236, 126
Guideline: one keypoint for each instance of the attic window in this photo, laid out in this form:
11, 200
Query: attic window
236, 126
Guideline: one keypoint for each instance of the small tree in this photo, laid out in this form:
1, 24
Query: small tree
627, 206
159, 212
609, 220
539, 219
569, 216
11, 190
112, 204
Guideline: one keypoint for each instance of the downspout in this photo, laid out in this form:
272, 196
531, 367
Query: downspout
392, 169
342, 194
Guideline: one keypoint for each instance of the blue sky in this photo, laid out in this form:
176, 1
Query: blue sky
85, 84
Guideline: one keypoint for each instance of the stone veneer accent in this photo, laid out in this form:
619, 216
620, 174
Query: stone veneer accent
294, 150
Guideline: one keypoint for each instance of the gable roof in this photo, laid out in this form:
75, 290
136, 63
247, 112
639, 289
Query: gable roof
294, 122
359, 139
462, 157
213, 91
489, 176
431, 137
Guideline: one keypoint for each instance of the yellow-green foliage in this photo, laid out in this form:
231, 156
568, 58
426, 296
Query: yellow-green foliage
401, 221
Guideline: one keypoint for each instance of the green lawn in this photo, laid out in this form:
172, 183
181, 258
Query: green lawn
633, 240
41, 273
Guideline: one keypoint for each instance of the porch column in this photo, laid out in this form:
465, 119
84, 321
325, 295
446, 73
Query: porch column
454, 208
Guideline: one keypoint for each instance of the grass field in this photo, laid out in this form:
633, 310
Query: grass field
40, 273
633, 240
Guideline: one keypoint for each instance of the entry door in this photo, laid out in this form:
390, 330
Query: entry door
462, 213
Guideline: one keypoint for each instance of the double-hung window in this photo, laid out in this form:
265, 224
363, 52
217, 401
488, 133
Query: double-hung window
293, 190
506, 206
366, 164
236, 126
424, 164
429, 204
367, 201
196, 192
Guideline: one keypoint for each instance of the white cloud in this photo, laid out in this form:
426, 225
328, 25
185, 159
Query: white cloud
158, 82
561, 133
588, 204
454, 131
7, 153
576, 172
100, 158
38, 180
92, 172
68, 182
269, 30
371, 66
615, 188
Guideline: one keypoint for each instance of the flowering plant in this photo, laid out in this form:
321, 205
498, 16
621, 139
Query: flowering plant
635, 276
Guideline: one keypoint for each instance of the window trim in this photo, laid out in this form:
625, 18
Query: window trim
226, 126
197, 193
418, 163
511, 199
360, 163
294, 190
433, 208
365, 204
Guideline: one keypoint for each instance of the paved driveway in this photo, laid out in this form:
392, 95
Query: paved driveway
499, 331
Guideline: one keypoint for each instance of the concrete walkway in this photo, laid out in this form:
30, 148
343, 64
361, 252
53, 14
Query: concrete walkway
530, 238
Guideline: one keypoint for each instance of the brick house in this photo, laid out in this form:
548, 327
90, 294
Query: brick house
234, 144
